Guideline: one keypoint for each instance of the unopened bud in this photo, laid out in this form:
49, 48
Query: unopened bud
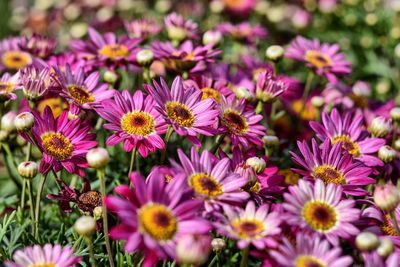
110, 76
243, 92
395, 114
98, 158
98, 213
85, 226
218, 244
367, 241
274, 52
145, 57
212, 37
28, 169
7, 121
193, 249
176, 33
385, 248
386, 197
386, 154
317, 101
380, 127
270, 140
258, 164
24, 121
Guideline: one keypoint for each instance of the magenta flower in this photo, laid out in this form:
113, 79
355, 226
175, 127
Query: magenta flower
12, 57
39, 46
48, 255
211, 179
107, 50
319, 209
64, 143
211, 88
36, 82
240, 8
324, 58
135, 122
153, 215
184, 110
62, 60
269, 87
257, 226
347, 129
243, 31
309, 251
82, 90
179, 29
142, 28
8, 85
240, 122
330, 165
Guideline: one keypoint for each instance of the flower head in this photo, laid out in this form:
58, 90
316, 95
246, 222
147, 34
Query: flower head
12, 57
141, 28
179, 29
243, 31
269, 87
8, 85
36, 82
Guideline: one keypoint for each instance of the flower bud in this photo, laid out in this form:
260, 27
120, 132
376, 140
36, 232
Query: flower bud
243, 92
367, 241
4, 135
212, 37
274, 52
193, 249
395, 114
317, 101
24, 121
98, 157
218, 244
85, 226
385, 248
110, 76
270, 140
28, 169
386, 197
98, 213
7, 121
361, 88
145, 57
386, 154
176, 33
380, 127
258, 164
397, 144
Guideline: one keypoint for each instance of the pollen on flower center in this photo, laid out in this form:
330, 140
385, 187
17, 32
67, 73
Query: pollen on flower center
16, 59
138, 123
320, 216
6, 87
328, 174
57, 145
180, 113
80, 94
386, 227
205, 184
158, 221
308, 261
318, 59
210, 93
113, 51
235, 122
347, 144
248, 228
44, 264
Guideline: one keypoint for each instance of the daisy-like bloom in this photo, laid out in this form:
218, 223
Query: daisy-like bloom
179, 29
186, 57
347, 129
212, 179
373, 259
330, 165
240, 122
269, 87
47, 256
62, 60
244, 31
319, 209
257, 226
64, 143
83, 91
35, 82
309, 251
142, 28
153, 215
12, 57
135, 121
107, 50
324, 59
39, 46
8, 84
239, 7
184, 110
211, 88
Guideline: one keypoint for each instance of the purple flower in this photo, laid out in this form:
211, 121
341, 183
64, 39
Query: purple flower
12, 57
38, 45
8, 84
142, 28
243, 31
36, 82
179, 29
269, 87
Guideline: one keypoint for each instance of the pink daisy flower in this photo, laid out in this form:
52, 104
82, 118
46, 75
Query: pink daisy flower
243, 31
309, 251
269, 87
142, 28
347, 129
12, 57
135, 122
324, 59
179, 29
320, 209
256, 226
330, 165
48, 255
184, 110
153, 215
8, 85
64, 143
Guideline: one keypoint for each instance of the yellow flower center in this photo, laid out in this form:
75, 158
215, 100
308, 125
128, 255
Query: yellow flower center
318, 59
235, 122
138, 123
206, 185
113, 51
180, 113
308, 261
291, 178
255, 188
43, 264
57, 145
234, 3
248, 228
347, 144
158, 221
80, 94
307, 113
16, 59
328, 174
210, 93
386, 227
6, 88
320, 216
54, 104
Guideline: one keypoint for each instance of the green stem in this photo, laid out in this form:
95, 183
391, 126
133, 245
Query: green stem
217, 143
28, 154
213, 261
91, 251
101, 174
38, 198
395, 223
146, 74
23, 194
245, 255
166, 139
307, 90
77, 243
260, 107
133, 156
